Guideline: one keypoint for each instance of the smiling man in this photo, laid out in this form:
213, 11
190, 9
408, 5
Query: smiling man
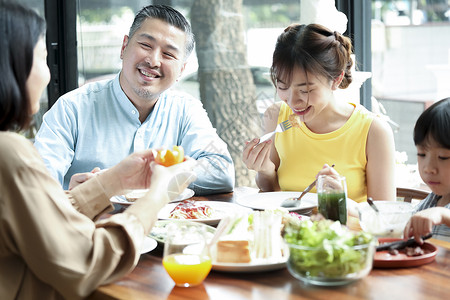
100, 123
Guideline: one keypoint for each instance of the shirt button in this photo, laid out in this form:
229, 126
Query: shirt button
133, 112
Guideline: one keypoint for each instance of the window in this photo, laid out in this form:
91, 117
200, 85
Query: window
402, 42
411, 61
100, 32
101, 26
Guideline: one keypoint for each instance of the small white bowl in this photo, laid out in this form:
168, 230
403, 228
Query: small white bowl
389, 222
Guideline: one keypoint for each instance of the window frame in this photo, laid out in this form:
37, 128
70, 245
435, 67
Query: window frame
359, 14
61, 42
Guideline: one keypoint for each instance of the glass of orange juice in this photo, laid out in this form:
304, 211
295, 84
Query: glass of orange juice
186, 257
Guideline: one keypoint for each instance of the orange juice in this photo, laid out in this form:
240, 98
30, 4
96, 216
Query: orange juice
187, 269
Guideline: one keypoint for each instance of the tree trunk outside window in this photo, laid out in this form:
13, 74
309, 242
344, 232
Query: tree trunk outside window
227, 89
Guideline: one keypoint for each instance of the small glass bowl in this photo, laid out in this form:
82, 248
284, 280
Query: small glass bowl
390, 221
315, 265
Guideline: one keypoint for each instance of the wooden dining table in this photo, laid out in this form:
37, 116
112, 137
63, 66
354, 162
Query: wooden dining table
149, 280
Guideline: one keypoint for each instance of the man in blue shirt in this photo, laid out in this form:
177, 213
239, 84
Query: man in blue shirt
99, 124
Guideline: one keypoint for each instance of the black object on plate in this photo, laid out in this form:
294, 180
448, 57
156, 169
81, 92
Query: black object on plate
401, 244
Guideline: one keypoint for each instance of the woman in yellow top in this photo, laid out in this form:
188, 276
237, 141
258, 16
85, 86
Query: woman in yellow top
309, 64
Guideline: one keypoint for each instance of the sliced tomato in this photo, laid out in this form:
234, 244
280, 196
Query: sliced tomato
169, 158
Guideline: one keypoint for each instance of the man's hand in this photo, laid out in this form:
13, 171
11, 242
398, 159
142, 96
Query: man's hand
79, 178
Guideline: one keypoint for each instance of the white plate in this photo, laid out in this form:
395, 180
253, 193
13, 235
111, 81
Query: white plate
219, 211
272, 200
186, 194
159, 231
148, 245
249, 267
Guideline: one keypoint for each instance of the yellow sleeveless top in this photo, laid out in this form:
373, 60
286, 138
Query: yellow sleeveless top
303, 153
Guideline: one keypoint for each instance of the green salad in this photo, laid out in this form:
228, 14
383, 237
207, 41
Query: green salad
326, 249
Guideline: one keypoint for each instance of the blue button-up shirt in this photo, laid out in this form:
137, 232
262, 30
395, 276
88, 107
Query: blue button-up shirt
96, 125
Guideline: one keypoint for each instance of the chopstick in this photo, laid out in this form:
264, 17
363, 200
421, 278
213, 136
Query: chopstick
397, 245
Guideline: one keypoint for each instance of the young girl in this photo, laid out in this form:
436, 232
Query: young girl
432, 140
309, 64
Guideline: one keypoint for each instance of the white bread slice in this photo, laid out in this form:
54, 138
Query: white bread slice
233, 251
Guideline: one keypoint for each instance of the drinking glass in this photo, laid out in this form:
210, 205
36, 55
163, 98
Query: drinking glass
186, 258
332, 197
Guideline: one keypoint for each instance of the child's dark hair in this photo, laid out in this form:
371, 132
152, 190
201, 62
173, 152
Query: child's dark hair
434, 123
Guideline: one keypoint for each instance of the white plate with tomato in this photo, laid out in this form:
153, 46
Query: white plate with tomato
129, 198
208, 212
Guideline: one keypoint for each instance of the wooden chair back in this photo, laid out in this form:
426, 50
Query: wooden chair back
408, 194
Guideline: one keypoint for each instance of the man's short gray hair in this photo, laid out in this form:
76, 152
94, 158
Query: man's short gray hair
168, 15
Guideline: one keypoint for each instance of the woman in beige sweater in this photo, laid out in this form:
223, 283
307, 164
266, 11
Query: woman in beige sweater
50, 247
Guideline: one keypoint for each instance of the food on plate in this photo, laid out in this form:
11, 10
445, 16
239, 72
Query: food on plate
326, 249
410, 256
267, 240
414, 251
159, 231
252, 238
295, 120
291, 217
135, 194
167, 157
233, 251
190, 209
398, 244
409, 251
233, 245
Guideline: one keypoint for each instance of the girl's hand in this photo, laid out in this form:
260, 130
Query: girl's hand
327, 170
257, 157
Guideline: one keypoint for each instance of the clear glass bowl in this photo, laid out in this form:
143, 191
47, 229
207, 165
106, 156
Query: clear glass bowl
320, 266
389, 222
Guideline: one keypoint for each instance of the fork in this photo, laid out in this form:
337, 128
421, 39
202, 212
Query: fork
283, 126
